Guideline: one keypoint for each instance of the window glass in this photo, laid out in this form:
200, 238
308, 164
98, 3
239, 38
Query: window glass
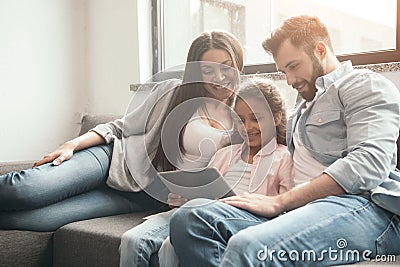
355, 25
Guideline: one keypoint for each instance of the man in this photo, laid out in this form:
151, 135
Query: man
342, 136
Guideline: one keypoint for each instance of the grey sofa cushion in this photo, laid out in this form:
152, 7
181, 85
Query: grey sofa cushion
93, 242
6, 167
25, 248
90, 121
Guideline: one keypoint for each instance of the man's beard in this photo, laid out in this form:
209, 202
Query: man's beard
318, 71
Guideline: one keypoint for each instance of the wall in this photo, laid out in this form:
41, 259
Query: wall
60, 59
112, 54
42, 75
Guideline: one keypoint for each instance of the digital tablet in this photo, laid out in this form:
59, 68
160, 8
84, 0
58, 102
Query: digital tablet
199, 183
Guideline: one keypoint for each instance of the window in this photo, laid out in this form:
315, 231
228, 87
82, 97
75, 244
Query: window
365, 31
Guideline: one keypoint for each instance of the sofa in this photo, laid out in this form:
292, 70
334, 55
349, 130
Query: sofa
86, 243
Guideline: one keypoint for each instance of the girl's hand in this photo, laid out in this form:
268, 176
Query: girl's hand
266, 206
64, 152
175, 200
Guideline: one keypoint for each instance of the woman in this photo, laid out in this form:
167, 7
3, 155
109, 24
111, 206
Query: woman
69, 184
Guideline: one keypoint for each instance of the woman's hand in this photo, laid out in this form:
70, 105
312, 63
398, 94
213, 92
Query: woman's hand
175, 200
266, 206
64, 152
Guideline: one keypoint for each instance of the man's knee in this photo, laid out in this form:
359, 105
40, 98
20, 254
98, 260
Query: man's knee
192, 209
239, 241
192, 214
180, 218
243, 248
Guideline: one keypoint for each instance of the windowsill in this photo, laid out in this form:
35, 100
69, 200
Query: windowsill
382, 67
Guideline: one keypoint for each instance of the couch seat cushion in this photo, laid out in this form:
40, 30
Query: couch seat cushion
93, 242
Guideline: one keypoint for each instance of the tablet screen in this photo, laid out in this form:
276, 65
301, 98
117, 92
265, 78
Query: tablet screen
202, 183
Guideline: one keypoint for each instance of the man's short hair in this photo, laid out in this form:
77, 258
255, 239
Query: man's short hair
303, 32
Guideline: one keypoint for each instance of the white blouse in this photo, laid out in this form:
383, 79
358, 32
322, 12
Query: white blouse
200, 142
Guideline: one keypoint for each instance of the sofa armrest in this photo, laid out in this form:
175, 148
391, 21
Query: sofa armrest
89, 121
6, 167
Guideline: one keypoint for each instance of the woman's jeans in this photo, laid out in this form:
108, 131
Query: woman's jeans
139, 244
47, 197
331, 231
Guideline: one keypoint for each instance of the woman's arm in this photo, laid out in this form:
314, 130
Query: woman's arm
66, 151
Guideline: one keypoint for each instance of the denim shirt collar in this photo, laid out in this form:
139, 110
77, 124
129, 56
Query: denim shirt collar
324, 82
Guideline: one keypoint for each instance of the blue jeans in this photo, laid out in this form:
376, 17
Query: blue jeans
141, 242
47, 197
331, 231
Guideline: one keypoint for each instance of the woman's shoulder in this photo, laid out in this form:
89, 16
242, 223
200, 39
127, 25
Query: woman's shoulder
167, 84
160, 87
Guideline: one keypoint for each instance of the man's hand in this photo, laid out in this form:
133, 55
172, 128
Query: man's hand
271, 206
255, 203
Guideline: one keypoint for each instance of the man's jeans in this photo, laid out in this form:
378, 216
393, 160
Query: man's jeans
330, 231
47, 197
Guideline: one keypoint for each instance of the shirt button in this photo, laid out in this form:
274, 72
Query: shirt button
319, 120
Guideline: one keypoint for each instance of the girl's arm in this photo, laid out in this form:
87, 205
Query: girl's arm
286, 173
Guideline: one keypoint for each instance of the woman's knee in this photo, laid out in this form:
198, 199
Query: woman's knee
16, 192
132, 240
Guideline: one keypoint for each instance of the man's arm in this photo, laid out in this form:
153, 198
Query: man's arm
320, 187
371, 115
268, 206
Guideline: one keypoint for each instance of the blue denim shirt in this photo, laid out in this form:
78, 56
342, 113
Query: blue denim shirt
351, 127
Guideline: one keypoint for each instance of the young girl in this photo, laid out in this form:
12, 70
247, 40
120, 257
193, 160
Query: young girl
125, 154
261, 164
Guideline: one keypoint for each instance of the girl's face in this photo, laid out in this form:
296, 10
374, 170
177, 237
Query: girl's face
257, 125
219, 74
